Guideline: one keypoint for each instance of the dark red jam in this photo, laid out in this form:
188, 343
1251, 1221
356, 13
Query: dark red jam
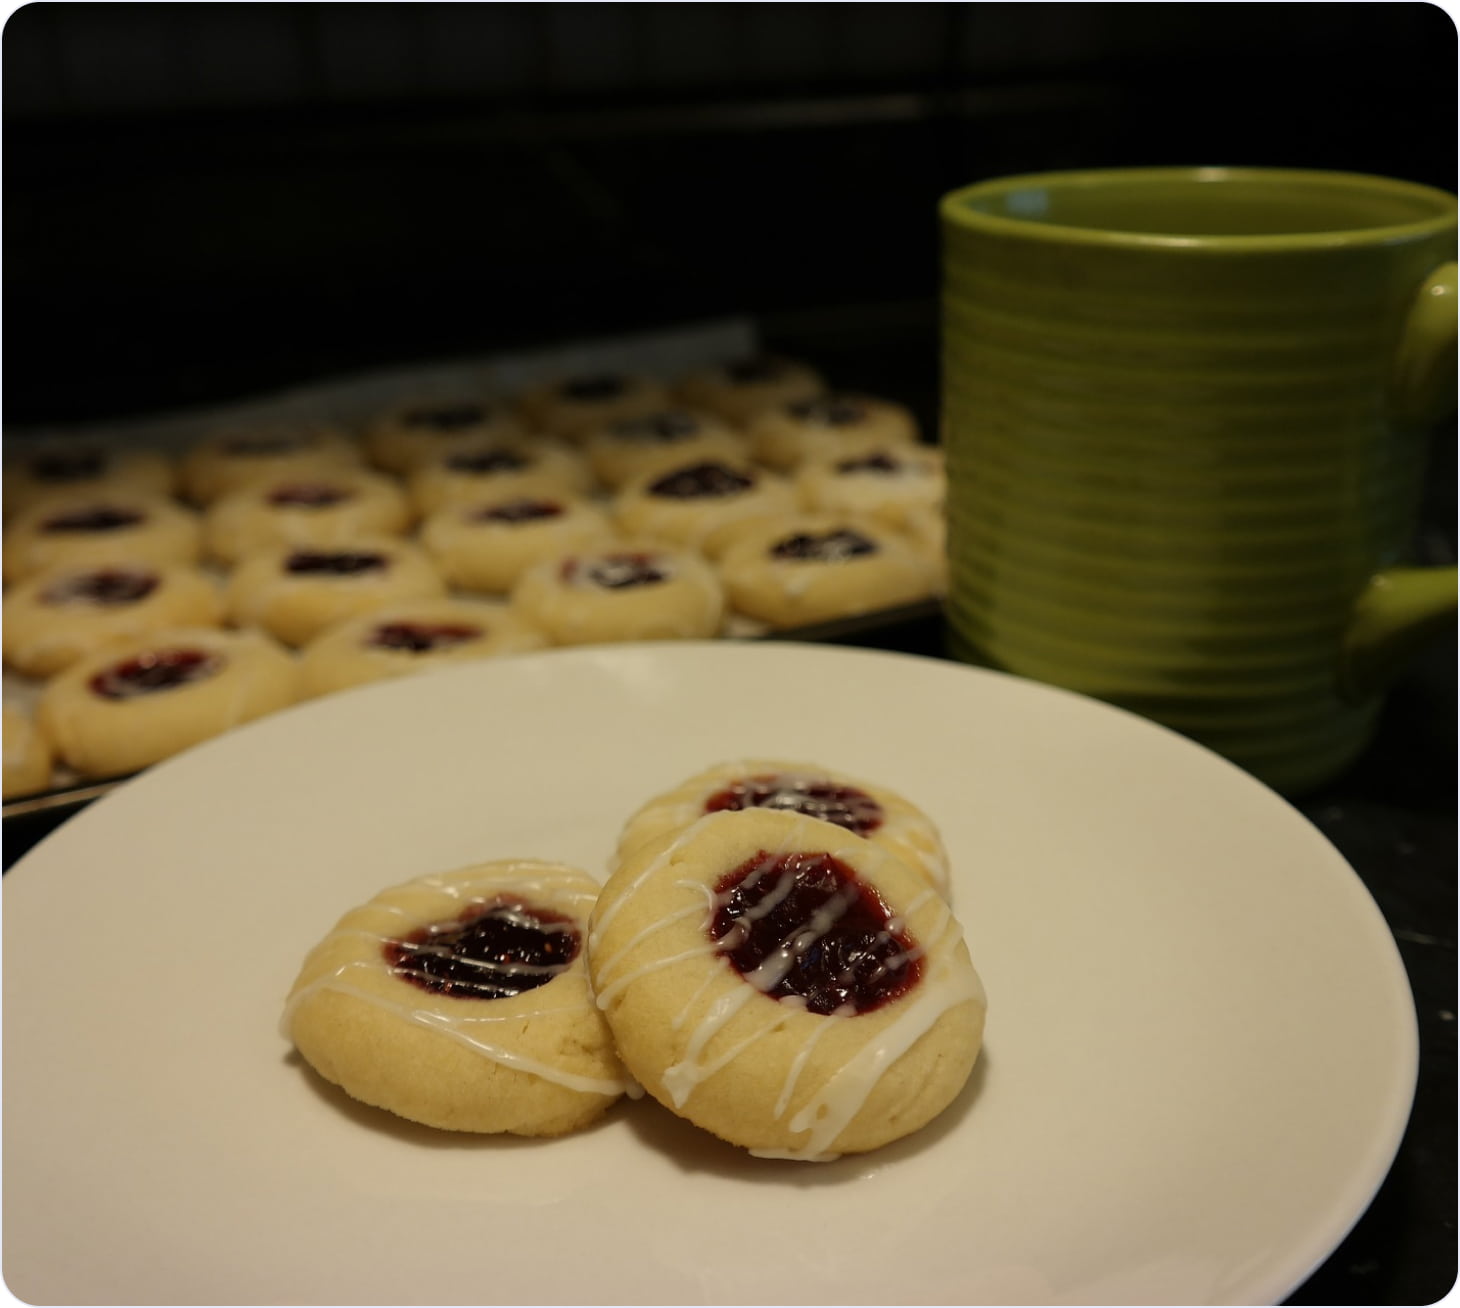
422, 637
308, 495
751, 372
880, 463
334, 563
102, 518
829, 411
616, 571
110, 587
491, 950
485, 462
658, 428
157, 670
828, 800
515, 511
804, 925
68, 465
701, 481
605, 386
445, 417
825, 547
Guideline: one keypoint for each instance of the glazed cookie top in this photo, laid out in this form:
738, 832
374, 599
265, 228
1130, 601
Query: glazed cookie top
700, 502
829, 426
99, 527
492, 466
633, 447
890, 483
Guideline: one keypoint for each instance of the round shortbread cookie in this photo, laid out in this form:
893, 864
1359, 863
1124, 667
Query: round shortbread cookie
868, 810
805, 568
333, 507
502, 465
404, 639
890, 484
485, 545
829, 427
109, 527
571, 407
295, 592
928, 531
58, 616
424, 427
625, 590
739, 390
461, 1001
239, 455
638, 447
701, 504
70, 467
785, 984
131, 705
29, 760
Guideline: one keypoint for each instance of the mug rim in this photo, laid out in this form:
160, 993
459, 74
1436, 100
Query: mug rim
955, 211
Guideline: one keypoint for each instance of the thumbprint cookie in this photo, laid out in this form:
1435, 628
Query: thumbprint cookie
785, 984
58, 616
413, 637
871, 811
571, 407
495, 466
700, 504
29, 760
131, 705
629, 590
636, 447
99, 528
227, 458
65, 467
891, 484
805, 568
828, 427
416, 430
461, 1001
738, 390
295, 592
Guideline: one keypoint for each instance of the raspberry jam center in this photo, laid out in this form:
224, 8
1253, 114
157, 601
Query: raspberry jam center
701, 481
446, 417
334, 563
804, 927
616, 571
105, 586
827, 547
103, 518
846, 806
491, 950
515, 511
880, 464
422, 637
308, 495
157, 670
484, 462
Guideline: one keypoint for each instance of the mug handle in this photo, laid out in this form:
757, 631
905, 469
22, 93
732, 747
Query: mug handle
1401, 608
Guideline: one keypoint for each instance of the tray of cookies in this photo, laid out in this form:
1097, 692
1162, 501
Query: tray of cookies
169, 579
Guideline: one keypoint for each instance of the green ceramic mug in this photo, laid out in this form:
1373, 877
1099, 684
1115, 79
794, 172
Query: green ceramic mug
1186, 414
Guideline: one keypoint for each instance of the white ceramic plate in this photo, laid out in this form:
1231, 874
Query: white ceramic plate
1200, 1050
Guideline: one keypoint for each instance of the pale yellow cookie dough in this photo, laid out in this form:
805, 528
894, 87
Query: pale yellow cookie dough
737, 391
829, 427
425, 426
637, 447
134, 704
928, 531
485, 545
628, 590
869, 810
701, 504
29, 759
571, 407
243, 453
295, 592
405, 639
805, 568
68, 467
99, 528
768, 1052
331, 507
539, 1062
499, 466
891, 484
58, 616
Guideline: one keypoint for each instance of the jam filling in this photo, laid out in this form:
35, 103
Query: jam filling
334, 563
828, 547
829, 412
701, 481
602, 387
658, 428
68, 465
157, 670
422, 637
308, 495
105, 586
846, 806
750, 372
523, 510
803, 926
616, 571
446, 417
103, 518
491, 950
880, 463
483, 462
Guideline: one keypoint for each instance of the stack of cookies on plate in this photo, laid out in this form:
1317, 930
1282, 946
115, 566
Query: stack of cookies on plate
266, 563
